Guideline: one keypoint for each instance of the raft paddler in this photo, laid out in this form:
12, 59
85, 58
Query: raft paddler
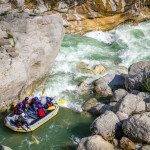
40, 111
18, 109
48, 103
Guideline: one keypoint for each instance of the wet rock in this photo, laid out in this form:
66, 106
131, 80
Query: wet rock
106, 125
85, 87
137, 74
105, 85
95, 142
83, 67
100, 108
2, 147
146, 147
88, 105
137, 127
118, 95
99, 69
127, 144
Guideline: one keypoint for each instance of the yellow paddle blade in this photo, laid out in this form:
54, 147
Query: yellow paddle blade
35, 140
43, 91
61, 101
51, 108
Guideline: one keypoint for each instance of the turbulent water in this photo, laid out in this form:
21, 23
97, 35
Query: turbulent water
114, 49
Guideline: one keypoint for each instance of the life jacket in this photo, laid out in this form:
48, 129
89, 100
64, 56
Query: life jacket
49, 104
17, 110
24, 106
40, 112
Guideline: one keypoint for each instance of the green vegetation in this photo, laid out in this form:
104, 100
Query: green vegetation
147, 84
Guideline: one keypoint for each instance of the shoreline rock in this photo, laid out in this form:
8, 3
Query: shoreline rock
124, 118
36, 40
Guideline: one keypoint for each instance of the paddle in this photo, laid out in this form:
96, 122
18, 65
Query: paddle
60, 101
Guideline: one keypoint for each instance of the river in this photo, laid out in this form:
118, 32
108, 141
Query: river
114, 49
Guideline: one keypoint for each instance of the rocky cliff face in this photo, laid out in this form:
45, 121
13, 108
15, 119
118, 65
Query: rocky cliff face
28, 47
81, 16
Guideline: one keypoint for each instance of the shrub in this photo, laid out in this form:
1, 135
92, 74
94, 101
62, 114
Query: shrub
147, 84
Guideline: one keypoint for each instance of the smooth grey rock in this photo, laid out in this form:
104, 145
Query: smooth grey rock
137, 73
100, 108
105, 85
118, 95
137, 127
106, 125
37, 42
95, 142
128, 105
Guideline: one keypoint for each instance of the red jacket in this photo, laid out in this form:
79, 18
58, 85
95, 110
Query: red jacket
40, 112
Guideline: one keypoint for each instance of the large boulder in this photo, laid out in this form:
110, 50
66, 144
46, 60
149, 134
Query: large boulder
118, 95
95, 142
137, 127
29, 46
137, 75
88, 105
128, 105
105, 86
99, 109
106, 125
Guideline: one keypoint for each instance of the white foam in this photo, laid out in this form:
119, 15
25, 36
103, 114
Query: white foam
106, 37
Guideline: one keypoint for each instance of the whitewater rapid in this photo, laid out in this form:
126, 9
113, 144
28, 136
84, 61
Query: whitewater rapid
119, 47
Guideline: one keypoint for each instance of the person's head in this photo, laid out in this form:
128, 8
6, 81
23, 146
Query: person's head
48, 99
20, 104
26, 98
35, 98
39, 106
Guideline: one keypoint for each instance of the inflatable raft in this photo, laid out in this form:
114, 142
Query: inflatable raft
33, 121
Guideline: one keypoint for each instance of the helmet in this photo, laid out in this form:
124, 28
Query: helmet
48, 99
35, 98
39, 106
26, 98
20, 104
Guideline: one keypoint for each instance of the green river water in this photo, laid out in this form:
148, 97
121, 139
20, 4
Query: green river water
116, 48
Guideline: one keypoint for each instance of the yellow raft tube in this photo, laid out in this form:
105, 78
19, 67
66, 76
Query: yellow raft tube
32, 122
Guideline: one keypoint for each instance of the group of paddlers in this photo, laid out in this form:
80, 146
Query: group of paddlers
31, 107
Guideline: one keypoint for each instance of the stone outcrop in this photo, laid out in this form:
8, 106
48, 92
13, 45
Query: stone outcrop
123, 118
81, 16
106, 125
28, 48
105, 86
95, 142
137, 75
137, 127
